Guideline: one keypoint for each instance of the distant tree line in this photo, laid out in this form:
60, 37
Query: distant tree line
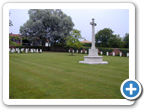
106, 38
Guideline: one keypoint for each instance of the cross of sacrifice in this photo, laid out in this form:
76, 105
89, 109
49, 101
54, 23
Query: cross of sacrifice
93, 33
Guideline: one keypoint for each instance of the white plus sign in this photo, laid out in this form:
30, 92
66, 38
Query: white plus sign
131, 89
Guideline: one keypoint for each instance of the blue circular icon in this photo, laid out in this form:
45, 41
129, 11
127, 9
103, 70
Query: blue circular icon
130, 89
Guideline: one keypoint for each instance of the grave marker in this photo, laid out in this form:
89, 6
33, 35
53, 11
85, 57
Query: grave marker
127, 54
40, 50
33, 50
113, 53
120, 54
107, 53
26, 50
18, 51
101, 52
77, 51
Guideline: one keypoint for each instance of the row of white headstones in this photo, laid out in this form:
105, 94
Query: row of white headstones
76, 51
120, 54
107, 53
13, 50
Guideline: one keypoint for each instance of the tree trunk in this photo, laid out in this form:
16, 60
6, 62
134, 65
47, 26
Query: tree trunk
72, 53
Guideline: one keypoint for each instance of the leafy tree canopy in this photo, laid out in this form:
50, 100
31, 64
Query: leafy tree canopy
48, 23
73, 39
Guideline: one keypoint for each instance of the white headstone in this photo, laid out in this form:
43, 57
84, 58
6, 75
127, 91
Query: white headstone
31, 50
18, 51
107, 53
101, 52
46, 44
85, 51
120, 54
77, 51
26, 50
81, 51
127, 54
69, 51
12, 50
40, 50
37, 50
73, 51
113, 53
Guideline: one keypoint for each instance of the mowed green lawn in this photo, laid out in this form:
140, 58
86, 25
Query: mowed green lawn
54, 75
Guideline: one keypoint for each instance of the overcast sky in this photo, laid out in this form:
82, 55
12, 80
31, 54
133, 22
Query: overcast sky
115, 19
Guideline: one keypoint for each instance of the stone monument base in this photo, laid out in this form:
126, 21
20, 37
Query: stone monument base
93, 60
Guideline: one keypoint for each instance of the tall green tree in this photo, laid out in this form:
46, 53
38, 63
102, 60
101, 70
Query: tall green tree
126, 40
73, 39
115, 41
49, 23
103, 36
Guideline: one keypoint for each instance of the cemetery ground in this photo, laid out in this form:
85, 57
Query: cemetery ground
55, 75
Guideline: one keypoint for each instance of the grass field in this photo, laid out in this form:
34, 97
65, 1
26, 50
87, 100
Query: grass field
50, 75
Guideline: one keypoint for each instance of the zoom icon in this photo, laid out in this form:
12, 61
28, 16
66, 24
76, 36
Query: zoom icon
131, 89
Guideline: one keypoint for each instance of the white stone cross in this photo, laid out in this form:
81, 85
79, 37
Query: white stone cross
93, 33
